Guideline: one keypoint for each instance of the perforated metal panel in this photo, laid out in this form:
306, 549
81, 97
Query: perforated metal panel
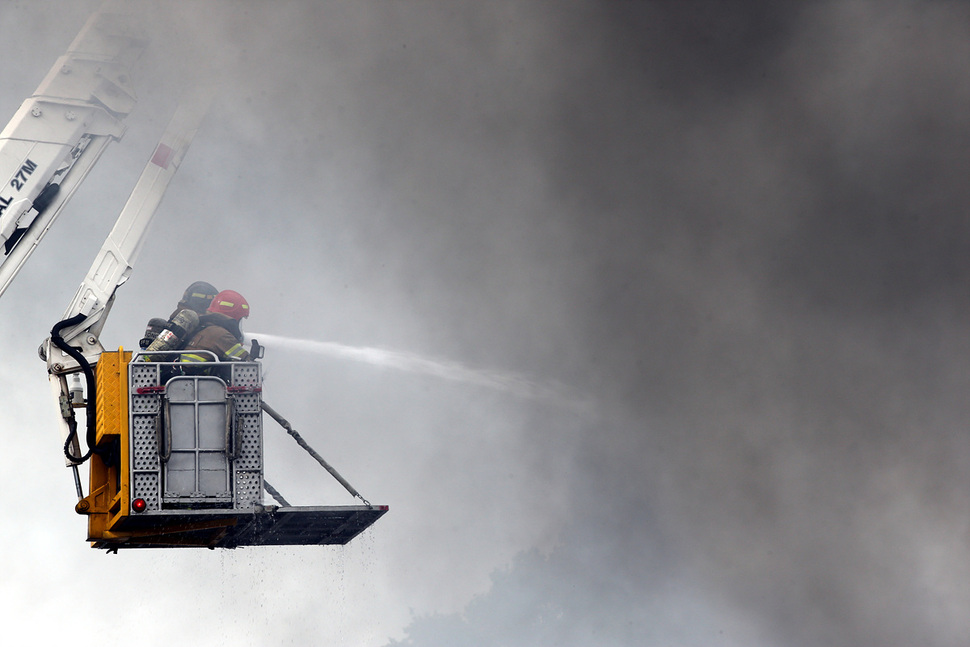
143, 375
145, 486
143, 436
245, 374
249, 453
249, 489
144, 446
247, 402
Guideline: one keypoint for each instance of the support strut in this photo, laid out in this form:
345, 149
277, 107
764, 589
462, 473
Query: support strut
302, 443
273, 492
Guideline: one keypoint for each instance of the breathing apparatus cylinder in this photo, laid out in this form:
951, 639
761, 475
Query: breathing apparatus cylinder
155, 326
177, 331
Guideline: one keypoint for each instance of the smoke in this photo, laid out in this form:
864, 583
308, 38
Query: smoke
503, 381
741, 230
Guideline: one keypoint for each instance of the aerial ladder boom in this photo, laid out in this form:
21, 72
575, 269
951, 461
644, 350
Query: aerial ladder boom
83, 320
57, 135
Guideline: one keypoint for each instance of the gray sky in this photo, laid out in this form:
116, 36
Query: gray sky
736, 237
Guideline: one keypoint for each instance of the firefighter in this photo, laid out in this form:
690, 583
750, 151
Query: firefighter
196, 298
219, 330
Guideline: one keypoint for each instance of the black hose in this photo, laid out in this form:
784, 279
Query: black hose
91, 407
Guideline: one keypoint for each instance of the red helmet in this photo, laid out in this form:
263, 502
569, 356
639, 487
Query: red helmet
230, 303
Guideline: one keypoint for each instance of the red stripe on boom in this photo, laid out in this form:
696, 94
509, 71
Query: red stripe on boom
162, 156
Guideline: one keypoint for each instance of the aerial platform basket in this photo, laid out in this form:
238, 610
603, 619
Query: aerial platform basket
178, 462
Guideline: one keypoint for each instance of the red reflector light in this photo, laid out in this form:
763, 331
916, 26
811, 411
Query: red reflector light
139, 505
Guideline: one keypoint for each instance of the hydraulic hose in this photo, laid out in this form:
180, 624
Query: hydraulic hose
91, 406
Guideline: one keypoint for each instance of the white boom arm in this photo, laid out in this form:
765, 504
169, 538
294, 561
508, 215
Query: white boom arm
113, 264
58, 134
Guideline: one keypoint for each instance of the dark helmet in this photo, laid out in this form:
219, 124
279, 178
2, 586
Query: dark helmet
231, 303
198, 296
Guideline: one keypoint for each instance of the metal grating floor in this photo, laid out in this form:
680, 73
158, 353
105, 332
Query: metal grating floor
270, 526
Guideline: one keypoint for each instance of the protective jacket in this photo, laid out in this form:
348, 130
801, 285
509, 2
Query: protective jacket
219, 334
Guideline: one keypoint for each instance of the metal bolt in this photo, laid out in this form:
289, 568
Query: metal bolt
57, 368
92, 340
70, 115
82, 506
36, 111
